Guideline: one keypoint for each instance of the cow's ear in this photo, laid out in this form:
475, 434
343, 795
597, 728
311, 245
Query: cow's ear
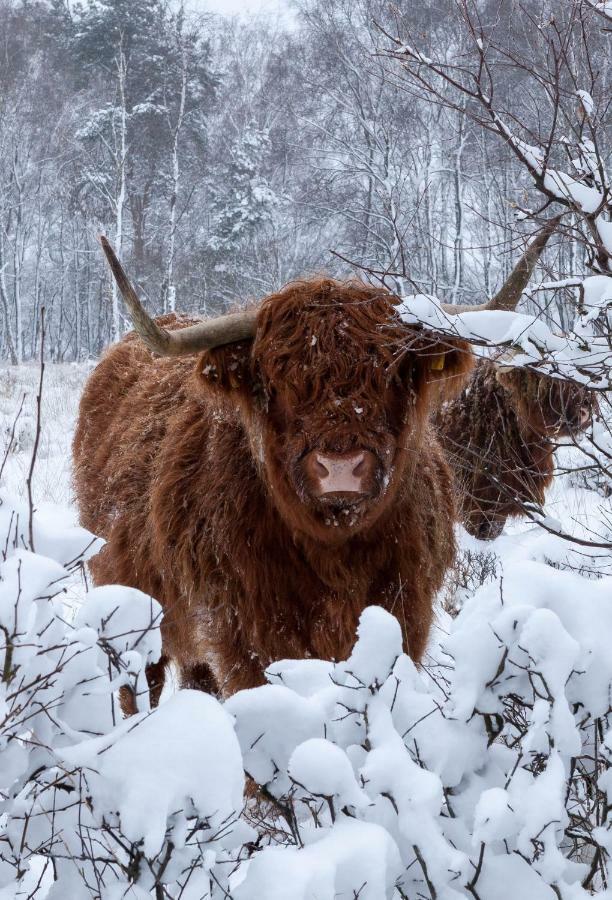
227, 369
448, 362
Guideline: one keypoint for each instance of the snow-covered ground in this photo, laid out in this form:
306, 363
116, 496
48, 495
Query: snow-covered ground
52, 477
488, 774
62, 384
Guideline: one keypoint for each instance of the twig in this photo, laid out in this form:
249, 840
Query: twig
38, 428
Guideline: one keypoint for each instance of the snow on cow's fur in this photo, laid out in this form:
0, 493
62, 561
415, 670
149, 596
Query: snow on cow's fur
202, 478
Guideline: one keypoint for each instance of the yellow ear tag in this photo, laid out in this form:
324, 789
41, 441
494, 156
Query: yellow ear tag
437, 364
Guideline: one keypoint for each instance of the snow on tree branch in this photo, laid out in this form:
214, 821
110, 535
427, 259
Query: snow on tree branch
583, 355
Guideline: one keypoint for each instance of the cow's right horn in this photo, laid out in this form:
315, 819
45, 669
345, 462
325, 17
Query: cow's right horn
205, 335
509, 294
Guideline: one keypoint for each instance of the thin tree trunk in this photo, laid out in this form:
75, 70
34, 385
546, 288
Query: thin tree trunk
169, 285
17, 262
10, 340
458, 190
121, 191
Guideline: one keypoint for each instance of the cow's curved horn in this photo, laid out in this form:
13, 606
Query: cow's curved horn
203, 336
508, 296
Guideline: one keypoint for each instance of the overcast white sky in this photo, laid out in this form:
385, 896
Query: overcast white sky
245, 7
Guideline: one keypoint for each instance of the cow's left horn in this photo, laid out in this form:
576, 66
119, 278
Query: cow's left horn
203, 336
508, 296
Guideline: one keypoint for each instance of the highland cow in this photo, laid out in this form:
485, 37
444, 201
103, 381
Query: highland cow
500, 434
268, 493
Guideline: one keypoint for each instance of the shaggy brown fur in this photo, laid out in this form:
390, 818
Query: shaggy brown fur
193, 475
499, 434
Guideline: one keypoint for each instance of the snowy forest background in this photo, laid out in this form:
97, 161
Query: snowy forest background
225, 157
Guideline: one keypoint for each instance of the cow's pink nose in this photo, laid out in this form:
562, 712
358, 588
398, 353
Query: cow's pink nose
347, 473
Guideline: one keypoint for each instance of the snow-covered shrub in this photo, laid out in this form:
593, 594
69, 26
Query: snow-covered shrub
143, 801
18, 430
486, 774
476, 564
481, 783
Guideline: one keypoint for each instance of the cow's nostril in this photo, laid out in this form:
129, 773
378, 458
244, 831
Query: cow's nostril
360, 465
319, 469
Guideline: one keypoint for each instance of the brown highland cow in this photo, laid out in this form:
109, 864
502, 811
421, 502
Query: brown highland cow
268, 491
500, 434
